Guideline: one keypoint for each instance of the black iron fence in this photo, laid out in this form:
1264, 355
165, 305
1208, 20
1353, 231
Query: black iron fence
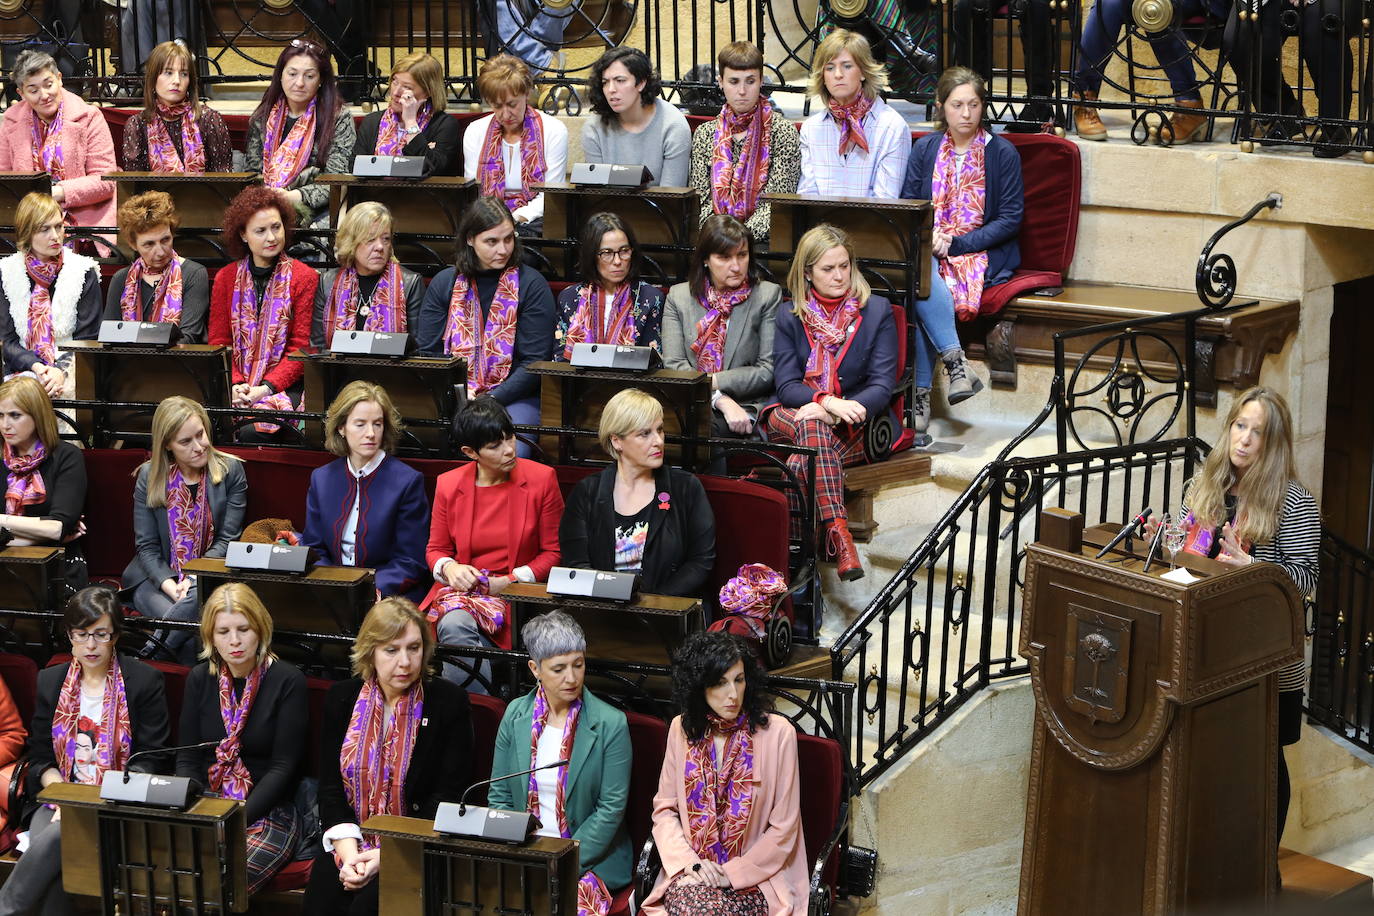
1340, 693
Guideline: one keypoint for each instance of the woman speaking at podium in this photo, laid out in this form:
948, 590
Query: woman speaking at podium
91, 715
392, 741
561, 720
255, 705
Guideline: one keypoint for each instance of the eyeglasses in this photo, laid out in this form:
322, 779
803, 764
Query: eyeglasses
100, 636
615, 254
304, 45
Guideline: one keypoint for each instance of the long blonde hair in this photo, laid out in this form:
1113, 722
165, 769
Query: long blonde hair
811, 247
168, 419
1260, 492
874, 74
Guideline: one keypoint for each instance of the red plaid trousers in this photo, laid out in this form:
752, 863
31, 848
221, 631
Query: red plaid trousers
836, 446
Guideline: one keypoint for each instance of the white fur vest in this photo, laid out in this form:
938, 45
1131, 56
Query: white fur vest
66, 293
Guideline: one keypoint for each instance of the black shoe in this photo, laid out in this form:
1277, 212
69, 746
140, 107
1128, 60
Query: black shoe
1332, 142
1278, 132
1035, 118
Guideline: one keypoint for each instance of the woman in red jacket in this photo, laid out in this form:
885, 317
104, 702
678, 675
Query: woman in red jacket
261, 307
495, 521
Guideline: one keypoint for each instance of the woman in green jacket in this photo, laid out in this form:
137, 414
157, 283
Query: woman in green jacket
559, 720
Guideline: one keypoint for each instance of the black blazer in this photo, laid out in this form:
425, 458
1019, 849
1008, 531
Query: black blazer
440, 765
440, 142
147, 717
153, 535
64, 477
269, 745
195, 300
681, 548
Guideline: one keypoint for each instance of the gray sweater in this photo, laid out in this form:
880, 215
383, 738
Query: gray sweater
665, 146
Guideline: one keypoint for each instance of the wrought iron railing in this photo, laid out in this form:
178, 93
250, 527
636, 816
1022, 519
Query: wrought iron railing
1340, 693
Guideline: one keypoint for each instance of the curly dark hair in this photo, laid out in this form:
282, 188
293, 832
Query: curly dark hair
241, 209
637, 62
700, 663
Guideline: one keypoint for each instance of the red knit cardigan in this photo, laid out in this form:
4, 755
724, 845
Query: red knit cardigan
304, 280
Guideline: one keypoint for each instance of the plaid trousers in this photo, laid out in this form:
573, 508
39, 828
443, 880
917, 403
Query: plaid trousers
836, 446
271, 844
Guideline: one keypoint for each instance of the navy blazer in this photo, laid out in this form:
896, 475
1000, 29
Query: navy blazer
868, 361
153, 536
647, 312
534, 326
1006, 201
393, 522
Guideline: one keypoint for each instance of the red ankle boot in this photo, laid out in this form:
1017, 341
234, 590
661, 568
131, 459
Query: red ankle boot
840, 544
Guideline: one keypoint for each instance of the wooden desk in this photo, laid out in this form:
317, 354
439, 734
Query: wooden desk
200, 199
123, 384
327, 600
13, 187
29, 578
647, 630
428, 391
572, 400
122, 852
428, 872
664, 221
892, 237
426, 210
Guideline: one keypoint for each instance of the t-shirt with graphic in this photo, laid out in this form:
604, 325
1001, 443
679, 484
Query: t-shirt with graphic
88, 738
631, 532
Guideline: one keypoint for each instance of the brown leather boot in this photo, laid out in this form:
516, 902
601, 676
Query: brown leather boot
1185, 127
840, 543
1086, 123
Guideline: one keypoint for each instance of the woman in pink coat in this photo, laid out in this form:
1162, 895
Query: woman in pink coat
727, 816
52, 130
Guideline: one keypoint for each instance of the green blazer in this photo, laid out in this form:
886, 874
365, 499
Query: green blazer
598, 782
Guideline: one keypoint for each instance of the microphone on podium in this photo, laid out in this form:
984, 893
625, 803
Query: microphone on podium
151, 788
490, 824
1126, 531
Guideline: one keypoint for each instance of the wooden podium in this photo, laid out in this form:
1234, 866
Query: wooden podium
13, 187
153, 858
327, 600
429, 872
664, 221
1153, 769
200, 200
426, 211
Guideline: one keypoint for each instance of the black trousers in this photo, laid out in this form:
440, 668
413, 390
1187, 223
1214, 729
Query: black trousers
973, 39
1325, 26
325, 894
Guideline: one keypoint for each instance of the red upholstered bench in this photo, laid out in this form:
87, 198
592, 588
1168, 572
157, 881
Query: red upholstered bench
20, 675
487, 712
109, 509
649, 740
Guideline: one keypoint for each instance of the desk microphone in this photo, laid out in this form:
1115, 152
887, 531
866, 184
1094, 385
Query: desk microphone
1154, 548
152, 788
1125, 532
491, 824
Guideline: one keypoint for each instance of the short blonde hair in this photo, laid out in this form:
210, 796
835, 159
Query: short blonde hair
235, 598
503, 76
169, 417
630, 409
874, 73
33, 211
387, 620
429, 73
358, 225
350, 396
30, 396
811, 248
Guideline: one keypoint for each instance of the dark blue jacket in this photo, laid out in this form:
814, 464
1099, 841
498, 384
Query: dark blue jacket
535, 321
1006, 200
868, 361
393, 523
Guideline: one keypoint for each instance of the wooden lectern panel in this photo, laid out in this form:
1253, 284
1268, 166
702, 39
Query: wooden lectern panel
325, 600
107, 374
420, 206
647, 630
200, 202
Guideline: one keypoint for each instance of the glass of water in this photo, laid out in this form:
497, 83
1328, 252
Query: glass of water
1174, 534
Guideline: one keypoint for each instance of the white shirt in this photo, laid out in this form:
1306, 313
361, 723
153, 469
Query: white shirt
555, 159
550, 744
346, 545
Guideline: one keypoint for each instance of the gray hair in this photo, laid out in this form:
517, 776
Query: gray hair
30, 63
552, 634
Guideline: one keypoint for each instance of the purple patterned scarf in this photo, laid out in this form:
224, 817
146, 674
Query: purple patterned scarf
387, 312
258, 333
389, 139
46, 143
958, 196
228, 774
188, 520
491, 166
737, 183
719, 794
374, 760
162, 153
487, 346
588, 324
284, 157
709, 346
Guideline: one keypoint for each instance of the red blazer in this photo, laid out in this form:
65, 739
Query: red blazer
536, 507
88, 150
304, 279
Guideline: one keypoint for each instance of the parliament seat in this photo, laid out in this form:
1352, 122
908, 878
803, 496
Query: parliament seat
649, 739
109, 510
20, 675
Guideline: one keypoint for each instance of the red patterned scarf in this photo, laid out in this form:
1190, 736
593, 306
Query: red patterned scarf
749, 595
588, 324
719, 794
115, 732
850, 120
228, 774
827, 328
489, 611
188, 520
386, 313
46, 142
491, 164
389, 139
166, 295
709, 346
958, 195
42, 276
24, 486
284, 157
487, 346
258, 332
737, 183
374, 760
162, 153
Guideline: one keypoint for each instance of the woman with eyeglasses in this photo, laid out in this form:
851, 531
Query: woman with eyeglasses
91, 715
175, 132
611, 305
301, 128
414, 122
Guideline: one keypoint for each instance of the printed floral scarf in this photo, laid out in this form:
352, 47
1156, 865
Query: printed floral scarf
491, 165
719, 794
115, 732
162, 153
166, 295
374, 760
228, 774
958, 195
737, 183
709, 346
487, 346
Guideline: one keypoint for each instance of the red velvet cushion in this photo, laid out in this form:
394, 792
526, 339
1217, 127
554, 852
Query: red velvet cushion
20, 674
294, 876
316, 688
1051, 172
109, 508
649, 740
996, 297
278, 480
821, 771
486, 720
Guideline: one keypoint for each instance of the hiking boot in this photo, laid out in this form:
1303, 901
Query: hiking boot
963, 384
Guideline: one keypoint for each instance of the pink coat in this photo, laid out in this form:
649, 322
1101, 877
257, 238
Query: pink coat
87, 149
774, 858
